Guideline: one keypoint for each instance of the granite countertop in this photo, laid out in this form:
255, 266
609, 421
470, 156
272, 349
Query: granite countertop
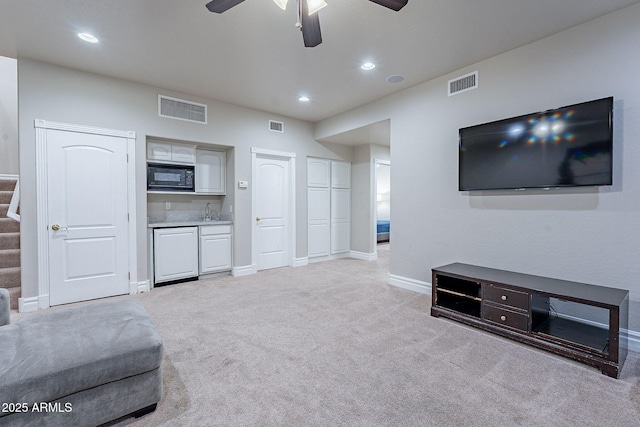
186, 223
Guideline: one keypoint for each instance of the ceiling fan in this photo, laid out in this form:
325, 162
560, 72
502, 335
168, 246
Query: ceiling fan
308, 20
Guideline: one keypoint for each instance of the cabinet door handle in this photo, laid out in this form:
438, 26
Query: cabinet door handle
503, 318
504, 297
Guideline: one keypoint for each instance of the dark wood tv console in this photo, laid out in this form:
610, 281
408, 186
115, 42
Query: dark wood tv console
563, 317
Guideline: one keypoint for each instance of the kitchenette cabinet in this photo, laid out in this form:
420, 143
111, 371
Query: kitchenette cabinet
215, 248
189, 249
175, 253
170, 152
210, 172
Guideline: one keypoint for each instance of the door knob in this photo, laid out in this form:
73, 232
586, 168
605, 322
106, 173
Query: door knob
258, 218
56, 227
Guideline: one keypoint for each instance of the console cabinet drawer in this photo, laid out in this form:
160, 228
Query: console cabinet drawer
505, 317
504, 296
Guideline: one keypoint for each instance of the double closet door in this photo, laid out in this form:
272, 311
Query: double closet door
329, 207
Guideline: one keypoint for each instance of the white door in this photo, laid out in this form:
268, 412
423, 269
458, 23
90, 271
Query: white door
272, 205
319, 217
340, 220
87, 195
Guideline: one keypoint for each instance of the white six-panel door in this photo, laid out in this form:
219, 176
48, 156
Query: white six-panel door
87, 216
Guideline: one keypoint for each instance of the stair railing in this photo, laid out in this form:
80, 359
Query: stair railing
15, 203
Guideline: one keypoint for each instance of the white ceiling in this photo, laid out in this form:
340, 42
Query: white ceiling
252, 55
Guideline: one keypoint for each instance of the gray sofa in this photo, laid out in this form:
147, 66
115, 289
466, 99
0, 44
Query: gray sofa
79, 366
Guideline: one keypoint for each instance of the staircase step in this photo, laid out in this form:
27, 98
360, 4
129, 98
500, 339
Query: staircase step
4, 208
5, 197
7, 184
9, 240
14, 294
9, 258
9, 277
9, 225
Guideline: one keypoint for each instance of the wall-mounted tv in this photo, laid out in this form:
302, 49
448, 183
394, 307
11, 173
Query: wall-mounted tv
565, 147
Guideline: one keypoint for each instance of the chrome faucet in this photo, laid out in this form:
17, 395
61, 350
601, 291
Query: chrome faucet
207, 213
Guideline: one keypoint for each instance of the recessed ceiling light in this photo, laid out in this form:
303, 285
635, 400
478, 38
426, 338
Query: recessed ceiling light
395, 79
90, 38
303, 99
368, 66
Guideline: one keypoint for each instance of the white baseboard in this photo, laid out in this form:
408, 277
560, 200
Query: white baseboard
300, 262
410, 284
363, 255
633, 339
28, 304
243, 270
139, 287
328, 257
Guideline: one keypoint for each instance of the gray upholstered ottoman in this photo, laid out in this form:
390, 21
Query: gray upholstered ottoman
79, 366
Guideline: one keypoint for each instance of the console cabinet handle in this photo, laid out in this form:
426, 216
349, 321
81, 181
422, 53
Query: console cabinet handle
504, 297
503, 318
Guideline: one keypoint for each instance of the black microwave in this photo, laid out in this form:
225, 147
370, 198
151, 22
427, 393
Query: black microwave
162, 177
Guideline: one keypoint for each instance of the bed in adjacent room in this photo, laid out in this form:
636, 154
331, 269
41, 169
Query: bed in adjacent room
382, 230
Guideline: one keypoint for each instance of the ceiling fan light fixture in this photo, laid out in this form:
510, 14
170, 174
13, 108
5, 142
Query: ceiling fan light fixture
282, 4
315, 5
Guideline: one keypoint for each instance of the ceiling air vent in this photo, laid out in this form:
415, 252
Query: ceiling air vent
276, 126
463, 84
180, 109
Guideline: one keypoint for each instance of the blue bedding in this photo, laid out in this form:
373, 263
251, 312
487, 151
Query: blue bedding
383, 226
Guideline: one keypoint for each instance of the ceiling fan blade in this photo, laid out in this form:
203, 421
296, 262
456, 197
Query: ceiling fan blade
392, 4
310, 27
219, 6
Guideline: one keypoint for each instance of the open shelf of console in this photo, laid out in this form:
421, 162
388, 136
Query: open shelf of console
577, 320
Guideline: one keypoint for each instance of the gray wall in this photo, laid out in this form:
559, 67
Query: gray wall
590, 235
59, 94
8, 116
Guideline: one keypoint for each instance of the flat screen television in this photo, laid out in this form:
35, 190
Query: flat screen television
565, 147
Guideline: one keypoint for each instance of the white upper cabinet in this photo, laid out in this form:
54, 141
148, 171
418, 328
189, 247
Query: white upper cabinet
168, 152
340, 174
211, 171
183, 153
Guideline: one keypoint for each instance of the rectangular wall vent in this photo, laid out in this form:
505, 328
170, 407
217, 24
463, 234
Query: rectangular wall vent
463, 84
276, 126
180, 109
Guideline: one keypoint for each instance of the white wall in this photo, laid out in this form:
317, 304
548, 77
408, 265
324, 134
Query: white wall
383, 191
363, 213
60, 94
8, 116
590, 235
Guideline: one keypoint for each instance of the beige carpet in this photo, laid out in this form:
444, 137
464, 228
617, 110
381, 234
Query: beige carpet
332, 344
